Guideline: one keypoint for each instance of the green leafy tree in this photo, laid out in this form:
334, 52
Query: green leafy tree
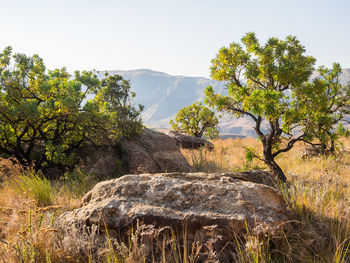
196, 120
46, 115
326, 103
114, 100
264, 83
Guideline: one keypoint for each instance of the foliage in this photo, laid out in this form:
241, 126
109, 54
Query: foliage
276, 75
46, 115
113, 99
325, 103
196, 120
249, 155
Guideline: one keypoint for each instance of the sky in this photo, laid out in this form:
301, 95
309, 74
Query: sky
179, 37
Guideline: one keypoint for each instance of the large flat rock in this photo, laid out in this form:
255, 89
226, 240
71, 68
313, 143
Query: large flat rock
196, 200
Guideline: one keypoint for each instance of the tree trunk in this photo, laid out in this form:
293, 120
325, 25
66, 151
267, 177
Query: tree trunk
277, 171
332, 147
274, 167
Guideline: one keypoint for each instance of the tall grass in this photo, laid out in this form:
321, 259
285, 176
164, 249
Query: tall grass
76, 183
35, 186
317, 194
228, 155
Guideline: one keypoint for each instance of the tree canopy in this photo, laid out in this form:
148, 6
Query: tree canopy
326, 103
46, 114
196, 120
269, 83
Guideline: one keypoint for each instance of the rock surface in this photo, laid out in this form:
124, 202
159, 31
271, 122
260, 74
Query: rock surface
311, 151
196, 200
190, 142
152, 152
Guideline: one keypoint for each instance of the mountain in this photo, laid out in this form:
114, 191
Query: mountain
345, 78
163, 95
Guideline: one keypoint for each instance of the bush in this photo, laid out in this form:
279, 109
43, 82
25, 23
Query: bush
46, 115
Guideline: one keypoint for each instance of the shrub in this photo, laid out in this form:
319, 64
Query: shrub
46, 115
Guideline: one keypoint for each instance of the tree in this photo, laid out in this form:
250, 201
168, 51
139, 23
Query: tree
326, 103
114, 101
46, 115
275, 75
196, 120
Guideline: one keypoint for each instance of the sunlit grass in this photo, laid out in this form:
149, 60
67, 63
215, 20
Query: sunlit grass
317, 193
35, 186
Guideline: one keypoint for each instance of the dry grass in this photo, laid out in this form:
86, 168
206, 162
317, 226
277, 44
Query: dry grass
228, 155
318, 194
29, 205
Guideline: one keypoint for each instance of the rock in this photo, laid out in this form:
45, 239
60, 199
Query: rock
105, 162
154, 152
255, 176
311, 151
190, 142
9, 169
196, 200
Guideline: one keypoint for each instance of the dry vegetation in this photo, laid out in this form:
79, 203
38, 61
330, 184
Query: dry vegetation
318, 194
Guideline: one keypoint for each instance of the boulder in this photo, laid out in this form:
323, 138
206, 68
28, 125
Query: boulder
194, 200
154, 152
105, 162
190, 142
311, 151
151, 152
255, 176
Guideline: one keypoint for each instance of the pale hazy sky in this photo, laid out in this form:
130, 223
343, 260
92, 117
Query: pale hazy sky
178, 37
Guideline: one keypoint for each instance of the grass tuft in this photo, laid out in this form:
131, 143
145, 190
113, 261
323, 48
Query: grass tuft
35, 186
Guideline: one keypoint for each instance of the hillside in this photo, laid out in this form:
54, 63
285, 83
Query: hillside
163, 95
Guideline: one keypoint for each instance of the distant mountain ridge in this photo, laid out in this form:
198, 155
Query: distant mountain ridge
163, 95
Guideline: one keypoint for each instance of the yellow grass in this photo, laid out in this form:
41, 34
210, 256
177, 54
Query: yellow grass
228, 155
317, 192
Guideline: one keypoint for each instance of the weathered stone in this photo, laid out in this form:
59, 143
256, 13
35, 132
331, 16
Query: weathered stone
190, 142
105, 162
154, 152
255, 176
194, 200
311, 151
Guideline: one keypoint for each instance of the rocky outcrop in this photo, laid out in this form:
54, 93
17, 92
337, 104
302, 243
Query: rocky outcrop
190, 142
154, 152
311, 151
151, 152
194, 200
